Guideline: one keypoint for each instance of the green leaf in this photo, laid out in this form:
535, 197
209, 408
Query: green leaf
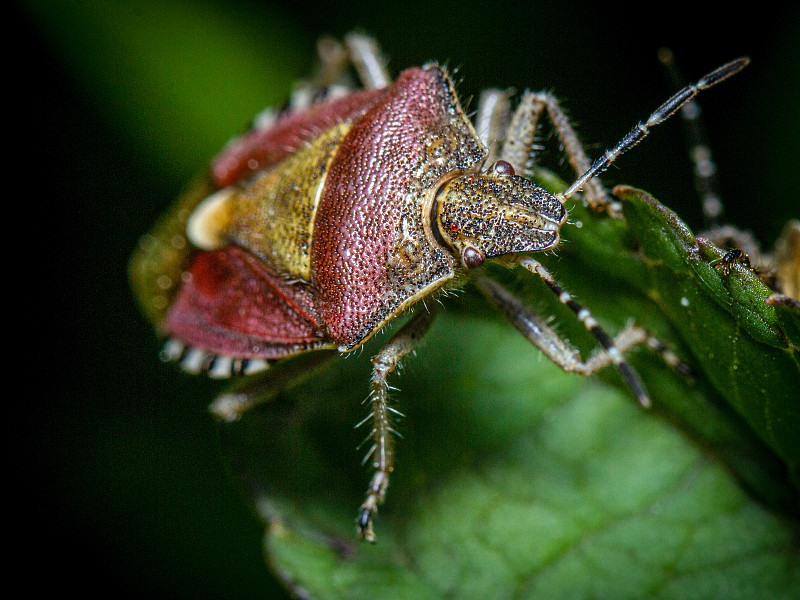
513, 480
649, 267
734, 333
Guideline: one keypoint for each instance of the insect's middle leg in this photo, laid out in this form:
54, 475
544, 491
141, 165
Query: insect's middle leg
368, 60
519, 144
381, 452
331, 78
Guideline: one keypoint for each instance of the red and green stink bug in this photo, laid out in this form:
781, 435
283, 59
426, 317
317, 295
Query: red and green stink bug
331, 218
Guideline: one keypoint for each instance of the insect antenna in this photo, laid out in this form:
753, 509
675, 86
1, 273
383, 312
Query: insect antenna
661, 114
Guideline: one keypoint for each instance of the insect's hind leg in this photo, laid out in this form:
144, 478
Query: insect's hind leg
261, 388
381, 452
368, 60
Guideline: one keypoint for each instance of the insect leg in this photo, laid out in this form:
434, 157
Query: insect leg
519, 146
544, 337
705, 174
368, 60
381, 453
491, 121
705, 171
779, 269
561, 352
328, 81
786, 258
519, 139
585, 317
331, 78
333, 62
661, 114
261, 388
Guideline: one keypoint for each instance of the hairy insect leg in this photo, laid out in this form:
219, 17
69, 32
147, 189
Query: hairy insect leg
519, 145
492, 121
558, 350
585, 317
328, 80
331, 79
786, 259
562, 353
544, 337
381, 453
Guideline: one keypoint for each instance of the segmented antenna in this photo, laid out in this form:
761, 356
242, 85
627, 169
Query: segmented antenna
661, 114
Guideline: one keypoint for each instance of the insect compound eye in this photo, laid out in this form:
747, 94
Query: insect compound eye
502, 167
472, 258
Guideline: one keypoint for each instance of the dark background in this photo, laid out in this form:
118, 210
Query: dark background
116, 481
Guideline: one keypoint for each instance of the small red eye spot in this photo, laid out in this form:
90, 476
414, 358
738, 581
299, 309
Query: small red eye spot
502, 167
453, 228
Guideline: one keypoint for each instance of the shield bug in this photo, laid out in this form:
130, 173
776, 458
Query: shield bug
335, 216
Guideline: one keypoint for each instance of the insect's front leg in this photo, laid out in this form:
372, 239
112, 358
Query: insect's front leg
381, 453
519, 145
558, 350
544, 337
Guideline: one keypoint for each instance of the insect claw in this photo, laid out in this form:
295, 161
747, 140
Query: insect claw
635, 384
364, 521
230, 407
